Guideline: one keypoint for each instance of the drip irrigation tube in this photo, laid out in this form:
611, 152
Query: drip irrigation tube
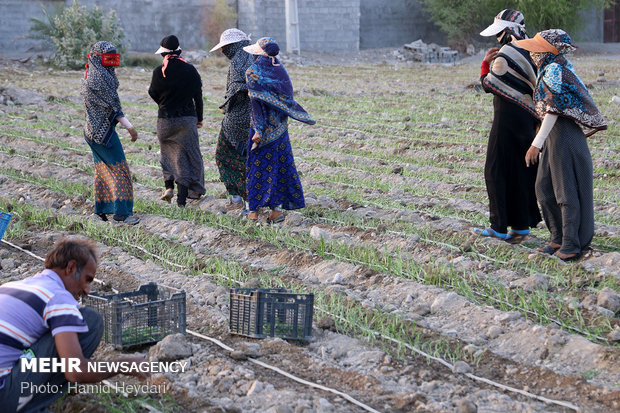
230, 349
440, 360
414, 276
374, 333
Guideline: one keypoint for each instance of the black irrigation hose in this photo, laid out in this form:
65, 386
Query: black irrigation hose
374, 333
224, 346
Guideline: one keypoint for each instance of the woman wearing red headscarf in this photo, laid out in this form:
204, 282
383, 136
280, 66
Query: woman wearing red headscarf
113, 186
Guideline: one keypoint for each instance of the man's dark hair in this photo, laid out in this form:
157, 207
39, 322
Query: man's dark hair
67, 249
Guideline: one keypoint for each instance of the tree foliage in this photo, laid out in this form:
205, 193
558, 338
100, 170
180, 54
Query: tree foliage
219, 17
73, 30
462, 20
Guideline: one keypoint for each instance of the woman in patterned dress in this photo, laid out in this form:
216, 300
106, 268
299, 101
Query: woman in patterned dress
113, 186
231, 151
272, 178
564, 179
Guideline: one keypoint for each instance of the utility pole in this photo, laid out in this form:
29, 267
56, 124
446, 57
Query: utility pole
292, 27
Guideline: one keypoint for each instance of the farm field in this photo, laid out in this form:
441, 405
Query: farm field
393, 179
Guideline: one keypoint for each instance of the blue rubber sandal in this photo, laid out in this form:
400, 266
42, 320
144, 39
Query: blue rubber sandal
490, 233
517, 236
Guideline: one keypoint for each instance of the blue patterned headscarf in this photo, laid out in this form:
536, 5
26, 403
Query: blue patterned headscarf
269, 82
559, 90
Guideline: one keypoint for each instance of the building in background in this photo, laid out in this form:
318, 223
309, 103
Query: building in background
323, 25
611, 23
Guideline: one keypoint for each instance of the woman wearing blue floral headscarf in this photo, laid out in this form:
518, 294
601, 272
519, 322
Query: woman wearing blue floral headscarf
272, 178
564, 180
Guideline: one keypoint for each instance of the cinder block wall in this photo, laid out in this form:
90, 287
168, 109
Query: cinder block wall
260, 18
392, 23
146, 22
324, 25
15, 23
329, 25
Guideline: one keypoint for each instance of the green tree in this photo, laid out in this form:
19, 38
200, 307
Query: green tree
73, 30
556, 14
219, 17
462, 20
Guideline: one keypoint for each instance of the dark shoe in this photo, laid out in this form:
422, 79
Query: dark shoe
126, 219
193, 195
278, 218
547, 249
131, 220
101, 216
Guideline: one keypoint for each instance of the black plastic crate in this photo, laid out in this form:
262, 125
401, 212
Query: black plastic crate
271, 312
144, 316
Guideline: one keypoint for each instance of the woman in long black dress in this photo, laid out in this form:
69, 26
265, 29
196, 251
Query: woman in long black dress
510, 184
177, 88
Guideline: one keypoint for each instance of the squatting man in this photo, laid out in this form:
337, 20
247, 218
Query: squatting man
40, 319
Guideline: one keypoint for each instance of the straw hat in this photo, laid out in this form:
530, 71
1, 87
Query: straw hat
554, 41
230, 36
265, 46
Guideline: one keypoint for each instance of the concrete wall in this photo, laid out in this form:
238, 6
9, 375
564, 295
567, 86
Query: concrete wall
329, 25
15, 23
260, 18
392, 23
146, 22
591, 29
324, 25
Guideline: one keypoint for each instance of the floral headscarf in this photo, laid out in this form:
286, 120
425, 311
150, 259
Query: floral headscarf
269, 82
238, 110
559, 90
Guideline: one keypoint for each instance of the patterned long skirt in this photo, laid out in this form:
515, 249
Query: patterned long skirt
231, 165
272, 177
181, 160
113, 187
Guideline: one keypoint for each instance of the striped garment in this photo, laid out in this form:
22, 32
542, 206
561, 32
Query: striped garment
30, 308
513, 76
